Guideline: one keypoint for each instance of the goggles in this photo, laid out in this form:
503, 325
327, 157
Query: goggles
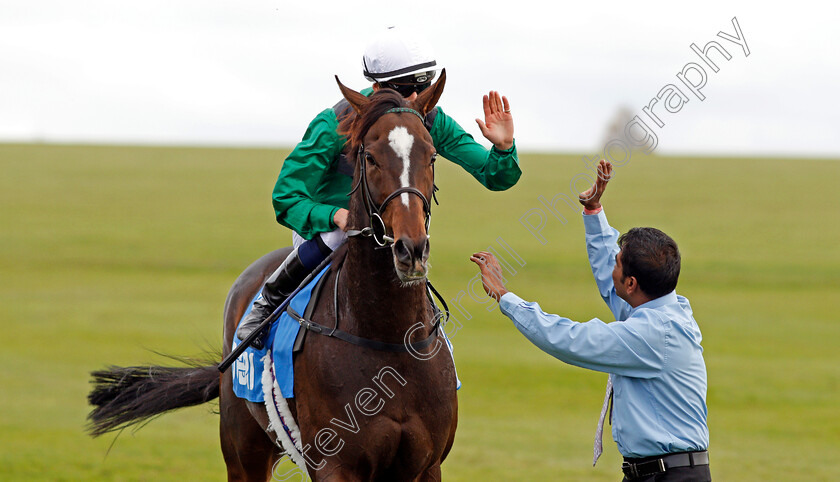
410, 84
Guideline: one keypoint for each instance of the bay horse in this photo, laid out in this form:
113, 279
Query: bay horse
364, 413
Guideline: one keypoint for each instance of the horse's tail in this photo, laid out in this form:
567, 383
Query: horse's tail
125, 396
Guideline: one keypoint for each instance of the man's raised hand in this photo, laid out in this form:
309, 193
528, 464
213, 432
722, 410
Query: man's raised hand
591, 198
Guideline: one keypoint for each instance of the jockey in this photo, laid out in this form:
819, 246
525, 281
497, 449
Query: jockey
310, 196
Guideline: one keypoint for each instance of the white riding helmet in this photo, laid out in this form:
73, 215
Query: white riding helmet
395, 53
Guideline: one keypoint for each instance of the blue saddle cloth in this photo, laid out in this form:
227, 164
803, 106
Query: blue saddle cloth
248, 368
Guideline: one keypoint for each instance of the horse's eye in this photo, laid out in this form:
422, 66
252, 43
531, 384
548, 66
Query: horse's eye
369, 158
434, 156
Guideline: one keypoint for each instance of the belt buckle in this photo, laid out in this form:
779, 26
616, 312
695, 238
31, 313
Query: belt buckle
630, 470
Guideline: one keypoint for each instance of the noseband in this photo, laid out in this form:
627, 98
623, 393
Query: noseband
376, 226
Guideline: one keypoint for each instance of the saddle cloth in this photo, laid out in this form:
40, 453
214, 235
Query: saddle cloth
247, 370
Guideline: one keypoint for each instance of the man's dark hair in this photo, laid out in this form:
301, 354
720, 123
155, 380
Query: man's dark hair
653, 258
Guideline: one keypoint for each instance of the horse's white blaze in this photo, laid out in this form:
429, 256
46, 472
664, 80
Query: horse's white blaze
401, 141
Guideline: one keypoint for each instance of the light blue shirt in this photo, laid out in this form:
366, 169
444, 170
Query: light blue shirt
652, 352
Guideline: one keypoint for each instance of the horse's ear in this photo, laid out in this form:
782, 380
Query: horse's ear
427, 99
356, 100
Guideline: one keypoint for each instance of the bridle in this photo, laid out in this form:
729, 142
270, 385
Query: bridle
376, 230
376, 226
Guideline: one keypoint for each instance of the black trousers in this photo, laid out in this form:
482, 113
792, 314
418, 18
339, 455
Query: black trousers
698, 473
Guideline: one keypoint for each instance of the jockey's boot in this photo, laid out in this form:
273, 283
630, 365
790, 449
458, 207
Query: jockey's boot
279, 286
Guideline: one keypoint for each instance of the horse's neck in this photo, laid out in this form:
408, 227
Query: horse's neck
378, 305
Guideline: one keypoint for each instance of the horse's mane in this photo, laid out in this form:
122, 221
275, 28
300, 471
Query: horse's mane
355, 126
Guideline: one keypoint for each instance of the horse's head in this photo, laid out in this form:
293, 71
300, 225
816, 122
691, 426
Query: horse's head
394, 174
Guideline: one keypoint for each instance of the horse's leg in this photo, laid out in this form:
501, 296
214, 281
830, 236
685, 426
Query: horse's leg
248, 451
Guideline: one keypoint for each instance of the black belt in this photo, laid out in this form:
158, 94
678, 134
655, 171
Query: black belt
661, 464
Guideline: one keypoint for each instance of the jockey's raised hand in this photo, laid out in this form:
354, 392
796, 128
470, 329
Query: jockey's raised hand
498, 121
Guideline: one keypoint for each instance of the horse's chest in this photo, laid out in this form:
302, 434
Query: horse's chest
398, 386
394, 409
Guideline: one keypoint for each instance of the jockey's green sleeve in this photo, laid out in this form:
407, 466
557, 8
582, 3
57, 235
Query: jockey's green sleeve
310, 190
497, 170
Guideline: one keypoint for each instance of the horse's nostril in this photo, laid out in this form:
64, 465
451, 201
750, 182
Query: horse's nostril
403, 251
421, 251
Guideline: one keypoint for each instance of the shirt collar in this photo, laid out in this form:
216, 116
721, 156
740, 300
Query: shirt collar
668, 299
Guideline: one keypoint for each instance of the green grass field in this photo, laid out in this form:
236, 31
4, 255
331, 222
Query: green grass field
108, 253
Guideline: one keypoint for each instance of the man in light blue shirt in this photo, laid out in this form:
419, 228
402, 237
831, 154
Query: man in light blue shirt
652, 351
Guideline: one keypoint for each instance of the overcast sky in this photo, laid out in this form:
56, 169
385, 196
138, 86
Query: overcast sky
255, 72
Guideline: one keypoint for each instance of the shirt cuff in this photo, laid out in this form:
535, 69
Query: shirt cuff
508, 301
520, 313
595, 223
323, 212
332, 217
506, 151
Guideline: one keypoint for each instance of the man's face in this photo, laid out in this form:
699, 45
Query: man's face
619, 278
